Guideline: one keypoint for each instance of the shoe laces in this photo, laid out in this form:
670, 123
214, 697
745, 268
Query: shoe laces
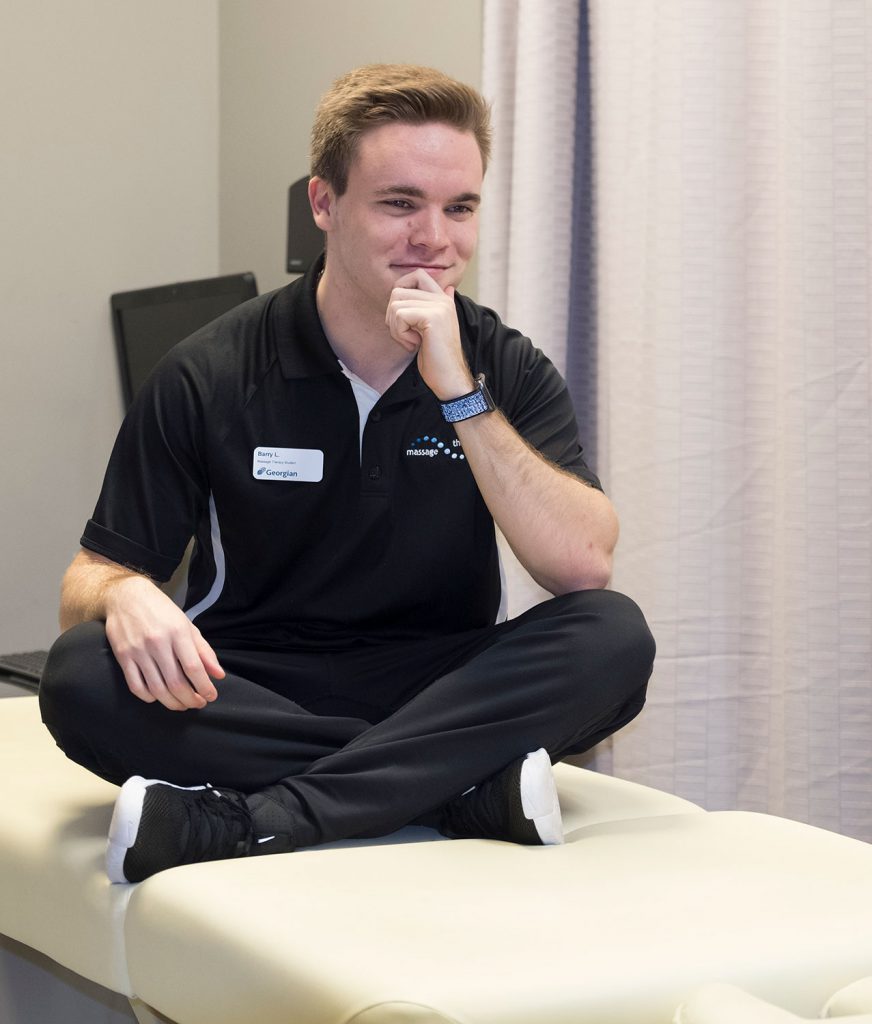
219, 821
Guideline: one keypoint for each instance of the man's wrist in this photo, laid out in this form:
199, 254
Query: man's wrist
116, 584
473, 403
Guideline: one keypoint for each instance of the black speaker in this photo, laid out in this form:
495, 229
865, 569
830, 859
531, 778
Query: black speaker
305, 241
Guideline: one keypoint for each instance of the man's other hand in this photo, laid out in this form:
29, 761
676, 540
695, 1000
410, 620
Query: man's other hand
161, 652
421, 317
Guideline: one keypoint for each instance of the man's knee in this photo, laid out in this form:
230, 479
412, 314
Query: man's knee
76, 650
610, 628
631, 633
79, 665
611, 662
79, 700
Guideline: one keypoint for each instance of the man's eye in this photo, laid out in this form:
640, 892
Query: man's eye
398, 204
461, 210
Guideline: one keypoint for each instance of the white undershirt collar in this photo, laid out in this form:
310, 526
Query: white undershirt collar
364, 395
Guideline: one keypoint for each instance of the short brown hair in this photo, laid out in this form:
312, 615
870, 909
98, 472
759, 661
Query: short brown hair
379, 94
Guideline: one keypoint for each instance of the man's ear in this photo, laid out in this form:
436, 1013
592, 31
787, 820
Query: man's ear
321, 199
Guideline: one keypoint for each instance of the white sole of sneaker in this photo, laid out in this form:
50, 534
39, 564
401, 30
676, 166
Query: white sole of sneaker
539, 797
124, 827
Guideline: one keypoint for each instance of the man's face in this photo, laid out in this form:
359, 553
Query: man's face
412, 201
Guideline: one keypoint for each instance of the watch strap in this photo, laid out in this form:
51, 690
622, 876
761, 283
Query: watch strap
467, 406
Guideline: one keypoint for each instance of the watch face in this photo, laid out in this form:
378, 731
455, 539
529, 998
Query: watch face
483, 389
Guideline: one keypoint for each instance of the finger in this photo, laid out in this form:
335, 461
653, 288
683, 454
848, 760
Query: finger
403, 326
419, 280
407, 335
208, 656
419, 295
136, 684
414, 306
174, 669
193, 671
148, 685
163, 672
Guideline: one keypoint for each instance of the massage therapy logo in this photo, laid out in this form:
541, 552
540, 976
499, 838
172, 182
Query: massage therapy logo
430, 447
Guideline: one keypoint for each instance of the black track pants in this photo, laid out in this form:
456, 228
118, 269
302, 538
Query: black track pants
362, 742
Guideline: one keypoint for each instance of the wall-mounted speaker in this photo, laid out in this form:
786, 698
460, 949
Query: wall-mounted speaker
305, 240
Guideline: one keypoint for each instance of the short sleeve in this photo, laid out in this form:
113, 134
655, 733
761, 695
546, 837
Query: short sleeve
155, 487
527, 388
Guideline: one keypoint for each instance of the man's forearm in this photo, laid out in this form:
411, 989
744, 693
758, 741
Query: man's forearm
562, 531
87, 585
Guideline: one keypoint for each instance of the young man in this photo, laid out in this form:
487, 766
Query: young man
341, 450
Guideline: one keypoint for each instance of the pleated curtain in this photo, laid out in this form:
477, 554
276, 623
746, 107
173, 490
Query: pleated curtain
715, 330
529, 70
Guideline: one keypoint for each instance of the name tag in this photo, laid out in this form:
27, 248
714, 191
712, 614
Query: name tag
290, 465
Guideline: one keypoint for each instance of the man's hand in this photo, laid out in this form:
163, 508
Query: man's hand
421, 317
161, 652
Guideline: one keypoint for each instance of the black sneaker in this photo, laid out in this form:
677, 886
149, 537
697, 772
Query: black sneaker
518, 805
156, 825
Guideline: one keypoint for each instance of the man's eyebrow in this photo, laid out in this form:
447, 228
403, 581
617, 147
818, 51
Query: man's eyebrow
413, 192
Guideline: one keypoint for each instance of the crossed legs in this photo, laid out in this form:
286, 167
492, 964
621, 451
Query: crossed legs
364, 741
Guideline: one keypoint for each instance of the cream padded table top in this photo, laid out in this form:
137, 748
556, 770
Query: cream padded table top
649, 898
53, 821
54, 816
725, 1004
615, 927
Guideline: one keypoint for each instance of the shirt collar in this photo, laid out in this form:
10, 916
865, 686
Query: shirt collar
299, 338
302, 345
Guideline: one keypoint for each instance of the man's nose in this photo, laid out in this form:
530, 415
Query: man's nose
428, 229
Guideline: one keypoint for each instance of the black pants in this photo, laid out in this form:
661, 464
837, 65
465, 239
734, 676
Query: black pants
362, 742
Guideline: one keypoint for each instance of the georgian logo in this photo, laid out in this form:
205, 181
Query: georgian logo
431, 447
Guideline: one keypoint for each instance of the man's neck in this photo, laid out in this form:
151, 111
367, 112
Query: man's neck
362, 343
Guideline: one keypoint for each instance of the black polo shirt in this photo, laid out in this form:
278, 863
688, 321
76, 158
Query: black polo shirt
247, 437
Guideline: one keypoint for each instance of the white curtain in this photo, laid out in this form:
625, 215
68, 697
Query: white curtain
732, 148
529, 69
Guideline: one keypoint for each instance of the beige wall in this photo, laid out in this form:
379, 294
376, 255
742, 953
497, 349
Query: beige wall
108, 181
146, 141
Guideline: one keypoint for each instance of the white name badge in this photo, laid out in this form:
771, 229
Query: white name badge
294, 465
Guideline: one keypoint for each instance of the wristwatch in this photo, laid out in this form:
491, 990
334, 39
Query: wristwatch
467, 406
